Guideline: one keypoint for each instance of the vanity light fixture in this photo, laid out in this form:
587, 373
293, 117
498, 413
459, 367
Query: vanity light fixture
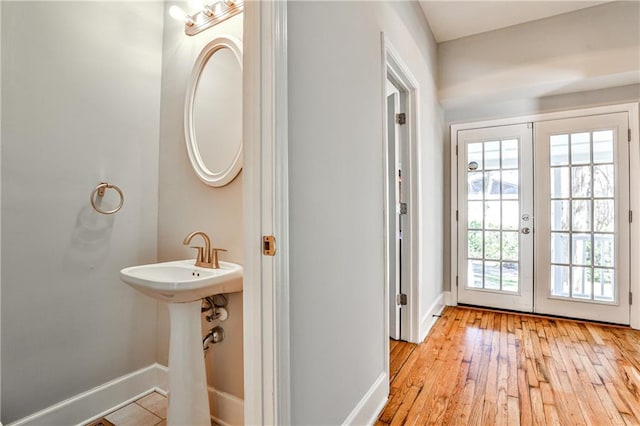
207, 15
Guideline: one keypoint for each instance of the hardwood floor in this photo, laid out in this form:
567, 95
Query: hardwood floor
483, 368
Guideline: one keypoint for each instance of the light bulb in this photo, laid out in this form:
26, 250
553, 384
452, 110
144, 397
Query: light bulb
207, 10
178, 14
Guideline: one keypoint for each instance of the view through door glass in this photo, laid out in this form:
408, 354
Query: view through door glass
495, 226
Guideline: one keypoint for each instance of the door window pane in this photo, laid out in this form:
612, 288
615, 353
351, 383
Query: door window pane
560, 281
474, 244
492, 155
603, 284
581, 181
580, 148
581, 249
510, 215
603, 181
603, 146
559, 150
492, 185
603, 215
560, 182
560, 247
510, 184
560, 215
492, 245
510, 277
581, 215
474, 154
582, 281
475, 185
475, 216
603, 250
492, 275
510, 154
510, 246
492, 215
474, 274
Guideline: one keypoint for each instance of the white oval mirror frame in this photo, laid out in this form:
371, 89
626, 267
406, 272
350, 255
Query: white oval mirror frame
225, 175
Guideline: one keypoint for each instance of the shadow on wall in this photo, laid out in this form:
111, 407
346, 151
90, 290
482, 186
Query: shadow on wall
89, 243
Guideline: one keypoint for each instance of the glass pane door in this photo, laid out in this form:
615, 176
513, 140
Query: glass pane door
494, 223
583, 230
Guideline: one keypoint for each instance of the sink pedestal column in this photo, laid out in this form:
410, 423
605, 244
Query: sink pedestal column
188, 395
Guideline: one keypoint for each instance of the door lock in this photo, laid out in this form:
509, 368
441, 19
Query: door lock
525, 230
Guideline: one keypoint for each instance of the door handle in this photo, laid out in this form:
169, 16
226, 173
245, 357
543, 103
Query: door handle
525, 230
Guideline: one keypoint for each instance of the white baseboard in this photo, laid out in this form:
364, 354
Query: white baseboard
95, 403
429, 319
448, 299
227, 409
108, 397
369, 407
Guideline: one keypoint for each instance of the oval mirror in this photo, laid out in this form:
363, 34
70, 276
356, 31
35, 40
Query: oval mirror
213, 112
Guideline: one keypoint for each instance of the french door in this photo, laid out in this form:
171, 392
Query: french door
495, 238
582, 218
543, 220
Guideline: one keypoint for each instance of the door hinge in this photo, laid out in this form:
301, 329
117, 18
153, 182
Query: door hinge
456, 281
456, 149
457, 215
401, 299
401, 118
402, 208
628, 135
630, 216
269, 245
630, 298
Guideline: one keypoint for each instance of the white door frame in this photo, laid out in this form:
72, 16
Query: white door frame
393, 65
634, 200
265, 197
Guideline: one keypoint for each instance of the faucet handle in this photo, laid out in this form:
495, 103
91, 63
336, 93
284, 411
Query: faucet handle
214, 257
200, 257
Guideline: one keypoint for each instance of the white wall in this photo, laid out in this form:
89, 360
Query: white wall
589, 49
186, 204
81, 105
336, 177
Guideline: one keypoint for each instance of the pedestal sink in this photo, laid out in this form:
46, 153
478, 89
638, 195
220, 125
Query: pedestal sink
182, 285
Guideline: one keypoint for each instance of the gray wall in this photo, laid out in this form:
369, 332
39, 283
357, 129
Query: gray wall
336, 194
186, 204
81, 104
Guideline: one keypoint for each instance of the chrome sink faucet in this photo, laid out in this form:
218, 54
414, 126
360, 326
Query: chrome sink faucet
207, 256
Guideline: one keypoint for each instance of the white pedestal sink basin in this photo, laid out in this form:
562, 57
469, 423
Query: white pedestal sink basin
183, 285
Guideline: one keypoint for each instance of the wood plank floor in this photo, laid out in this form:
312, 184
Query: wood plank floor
484, 368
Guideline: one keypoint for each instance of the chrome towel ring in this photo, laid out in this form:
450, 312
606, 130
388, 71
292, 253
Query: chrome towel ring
99, 192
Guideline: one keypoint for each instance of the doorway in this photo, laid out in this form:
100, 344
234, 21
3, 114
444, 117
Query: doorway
544, 217
401, 201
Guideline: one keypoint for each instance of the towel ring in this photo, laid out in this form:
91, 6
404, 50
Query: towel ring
99, 191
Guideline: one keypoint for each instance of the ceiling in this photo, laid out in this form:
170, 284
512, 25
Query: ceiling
452, 19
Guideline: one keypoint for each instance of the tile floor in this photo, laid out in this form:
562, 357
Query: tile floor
150, 410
